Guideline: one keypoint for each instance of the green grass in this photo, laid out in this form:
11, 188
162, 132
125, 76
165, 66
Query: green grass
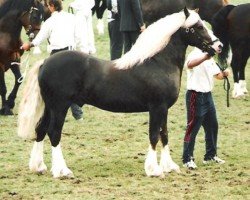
106, 152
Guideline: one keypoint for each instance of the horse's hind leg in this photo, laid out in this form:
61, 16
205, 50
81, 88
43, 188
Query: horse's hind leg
242, 81
236, 65
5, 110
12, 96
36, 162
59, 167
166, 161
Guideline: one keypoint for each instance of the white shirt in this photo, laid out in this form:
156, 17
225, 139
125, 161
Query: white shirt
201, 78
59, 29
83, 6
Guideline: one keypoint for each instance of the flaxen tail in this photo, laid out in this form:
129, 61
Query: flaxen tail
31, 106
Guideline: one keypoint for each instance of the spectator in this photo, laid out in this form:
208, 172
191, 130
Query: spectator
201, 69
131, 24
84, 24
115, 35
59, 29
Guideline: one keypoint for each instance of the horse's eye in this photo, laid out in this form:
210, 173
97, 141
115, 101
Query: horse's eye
200, 27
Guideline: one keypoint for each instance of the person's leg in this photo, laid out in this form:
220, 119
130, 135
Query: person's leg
82, 33
76, 111
117, 40
210, 125
91, 37
133, 36
127, 42
194, 121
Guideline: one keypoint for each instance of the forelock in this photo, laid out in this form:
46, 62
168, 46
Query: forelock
192, 19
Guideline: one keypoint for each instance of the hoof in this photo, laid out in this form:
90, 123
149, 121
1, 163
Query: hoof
6, 111
41, 168
62, 173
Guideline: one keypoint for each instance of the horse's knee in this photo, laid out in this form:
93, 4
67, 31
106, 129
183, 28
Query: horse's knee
154, 138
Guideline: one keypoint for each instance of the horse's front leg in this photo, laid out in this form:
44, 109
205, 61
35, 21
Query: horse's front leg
5, 110
156, 116
59, 167
18, 80
166, 161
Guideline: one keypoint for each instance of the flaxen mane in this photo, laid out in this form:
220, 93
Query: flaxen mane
150, 42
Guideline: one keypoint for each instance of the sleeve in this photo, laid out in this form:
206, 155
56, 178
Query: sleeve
136, 8
43, 34
214, 67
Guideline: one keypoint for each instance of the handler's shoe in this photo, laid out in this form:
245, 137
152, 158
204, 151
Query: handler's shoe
190, 165
215, 159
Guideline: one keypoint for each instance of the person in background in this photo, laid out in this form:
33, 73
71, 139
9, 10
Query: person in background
201, 70
115, 35
84, 24
60, 30
131, 24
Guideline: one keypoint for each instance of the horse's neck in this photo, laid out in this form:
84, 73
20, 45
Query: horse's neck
11, 24
174, 52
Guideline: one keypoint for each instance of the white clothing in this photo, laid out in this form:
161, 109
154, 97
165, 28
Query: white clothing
59, 29
84, 24
83, 6
201, 78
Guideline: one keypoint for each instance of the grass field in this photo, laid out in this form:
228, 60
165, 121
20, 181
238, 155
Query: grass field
106, 152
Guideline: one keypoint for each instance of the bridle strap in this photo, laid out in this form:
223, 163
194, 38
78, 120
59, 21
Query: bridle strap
226, 84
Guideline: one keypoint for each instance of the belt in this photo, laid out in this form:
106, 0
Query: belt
199, 92
63, 49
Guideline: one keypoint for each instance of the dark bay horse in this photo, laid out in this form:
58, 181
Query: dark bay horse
146, 79
153, 10
156, 9
232, 26
15, 14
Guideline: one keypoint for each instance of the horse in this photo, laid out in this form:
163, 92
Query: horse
145, 79
15, 14
154, 10
231, 24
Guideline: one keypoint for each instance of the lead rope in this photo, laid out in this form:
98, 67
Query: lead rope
26, 61
226, 84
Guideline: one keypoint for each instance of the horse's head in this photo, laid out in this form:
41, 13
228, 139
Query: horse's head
32, 19
197, 34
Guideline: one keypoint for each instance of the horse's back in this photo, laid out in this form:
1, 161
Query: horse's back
64, 73
239, 26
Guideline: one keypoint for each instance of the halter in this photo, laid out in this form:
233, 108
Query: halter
30, 30
206, 46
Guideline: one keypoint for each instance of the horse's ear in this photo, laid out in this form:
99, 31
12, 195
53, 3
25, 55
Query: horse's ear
197, 10
186, 12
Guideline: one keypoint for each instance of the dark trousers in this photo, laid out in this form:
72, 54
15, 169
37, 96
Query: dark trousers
130, 38
116, 39
200, 112
76, 110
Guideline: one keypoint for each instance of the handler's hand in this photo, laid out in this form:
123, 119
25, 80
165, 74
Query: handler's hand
143, 27
25, 46
226, 72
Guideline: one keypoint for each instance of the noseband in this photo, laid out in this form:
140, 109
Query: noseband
206, 46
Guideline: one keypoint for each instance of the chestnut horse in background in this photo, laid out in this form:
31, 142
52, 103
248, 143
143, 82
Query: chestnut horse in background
15, 14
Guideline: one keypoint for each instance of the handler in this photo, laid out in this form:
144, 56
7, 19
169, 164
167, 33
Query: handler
59, 29
201, 69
